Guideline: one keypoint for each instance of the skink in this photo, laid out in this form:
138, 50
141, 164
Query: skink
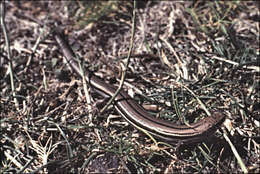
137, 116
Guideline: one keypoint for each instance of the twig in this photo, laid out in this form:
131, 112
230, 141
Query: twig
235, 152
85, 87
126, 64
10, 67
41, 37
197, 98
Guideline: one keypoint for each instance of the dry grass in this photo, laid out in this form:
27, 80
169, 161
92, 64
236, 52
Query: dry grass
192, 51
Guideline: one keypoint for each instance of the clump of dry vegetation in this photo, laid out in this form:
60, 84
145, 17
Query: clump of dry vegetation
185, 53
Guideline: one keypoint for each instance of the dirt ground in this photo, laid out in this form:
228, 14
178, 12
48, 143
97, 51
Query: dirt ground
190, 57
